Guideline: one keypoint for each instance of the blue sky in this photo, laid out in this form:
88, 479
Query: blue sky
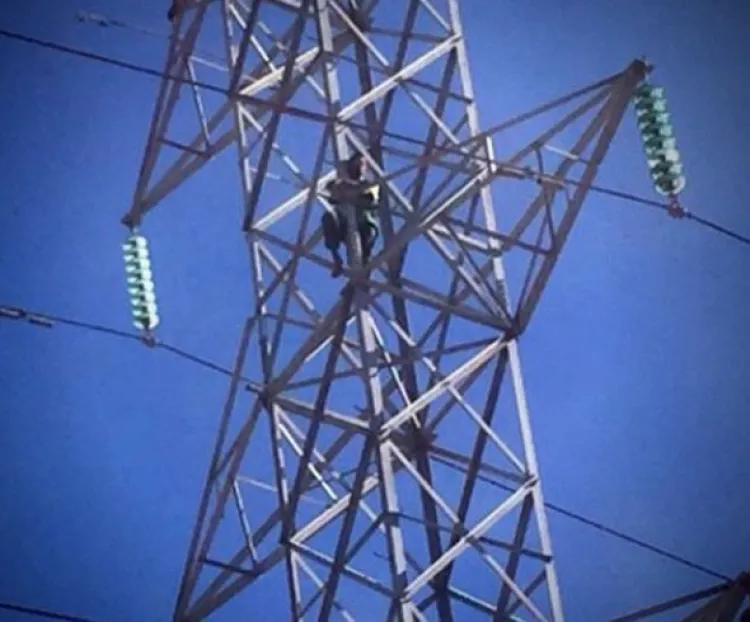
636, 364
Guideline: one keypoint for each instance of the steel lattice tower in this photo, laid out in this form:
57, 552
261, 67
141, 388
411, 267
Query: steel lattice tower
386, 408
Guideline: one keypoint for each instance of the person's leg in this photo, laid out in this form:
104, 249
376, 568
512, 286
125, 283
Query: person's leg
332, 227
368, 235
343, 236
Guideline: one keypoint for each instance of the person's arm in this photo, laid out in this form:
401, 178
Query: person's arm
333, 192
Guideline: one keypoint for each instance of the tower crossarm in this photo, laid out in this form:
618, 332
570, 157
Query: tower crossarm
169, 161
596, 138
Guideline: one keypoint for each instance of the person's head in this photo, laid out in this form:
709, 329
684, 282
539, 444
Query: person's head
355, 166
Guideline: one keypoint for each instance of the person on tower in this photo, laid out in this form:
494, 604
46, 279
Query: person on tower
351, 196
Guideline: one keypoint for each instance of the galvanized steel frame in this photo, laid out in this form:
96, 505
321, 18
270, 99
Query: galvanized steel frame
399, 440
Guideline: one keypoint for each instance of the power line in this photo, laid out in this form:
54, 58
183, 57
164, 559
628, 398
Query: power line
637, 542
156, 73
46, 320
86, 17
719, 229
310, 115
104, 22
44, 613
598, 526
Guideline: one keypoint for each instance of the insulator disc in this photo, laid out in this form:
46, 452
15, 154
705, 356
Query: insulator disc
670, 186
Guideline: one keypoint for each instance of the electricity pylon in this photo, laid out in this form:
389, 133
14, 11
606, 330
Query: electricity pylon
384, 412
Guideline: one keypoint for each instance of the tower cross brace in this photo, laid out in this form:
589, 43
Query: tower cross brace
374, 459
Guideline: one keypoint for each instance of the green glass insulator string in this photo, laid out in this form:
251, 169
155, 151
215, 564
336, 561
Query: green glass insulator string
659, 142
140, 283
